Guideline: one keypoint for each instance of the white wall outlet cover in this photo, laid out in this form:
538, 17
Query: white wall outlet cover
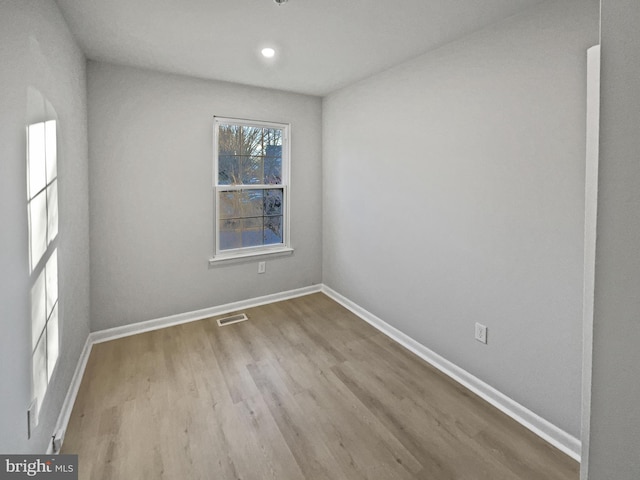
481, 333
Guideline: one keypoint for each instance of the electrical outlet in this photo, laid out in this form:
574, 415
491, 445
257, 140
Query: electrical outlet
481, 333
262, 267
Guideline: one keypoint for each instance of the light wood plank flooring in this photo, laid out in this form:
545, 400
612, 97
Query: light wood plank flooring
303, 390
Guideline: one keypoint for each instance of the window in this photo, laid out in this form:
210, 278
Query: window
251, 183
42, 210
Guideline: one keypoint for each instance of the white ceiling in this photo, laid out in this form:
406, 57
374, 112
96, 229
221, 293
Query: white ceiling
321, 45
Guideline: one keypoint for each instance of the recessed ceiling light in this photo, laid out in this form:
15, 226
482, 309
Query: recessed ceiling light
268, 52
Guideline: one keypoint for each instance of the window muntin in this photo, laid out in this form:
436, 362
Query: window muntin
251, 172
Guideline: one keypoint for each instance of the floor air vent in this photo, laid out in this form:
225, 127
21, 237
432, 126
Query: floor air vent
241, 317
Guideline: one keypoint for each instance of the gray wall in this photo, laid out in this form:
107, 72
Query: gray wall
37, 51
615, 402
454, 193
151, 138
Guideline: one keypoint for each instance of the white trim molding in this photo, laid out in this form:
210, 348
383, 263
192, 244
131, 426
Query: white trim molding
70, 398
557, 437
170, 321
248, 256
538, 425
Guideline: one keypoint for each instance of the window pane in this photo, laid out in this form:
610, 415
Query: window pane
241, 204
252, 140
240, 169
230, 234
36, 158
240, 233
228, 169
52, 342
230, 148
273, 165
273, 156
51, 276
252, 170
273, 201
51, 150
252, 232
38, 227
230, 139
39, 365
273, 136
52, 211
228, 204
272, 230
38, 309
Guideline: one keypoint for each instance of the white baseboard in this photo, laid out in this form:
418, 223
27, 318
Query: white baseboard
560, 439
538, 425
72, 393
158, 323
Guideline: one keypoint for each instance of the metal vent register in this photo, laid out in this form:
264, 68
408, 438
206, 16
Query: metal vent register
240, 317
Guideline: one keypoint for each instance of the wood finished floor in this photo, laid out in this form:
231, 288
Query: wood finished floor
303, 390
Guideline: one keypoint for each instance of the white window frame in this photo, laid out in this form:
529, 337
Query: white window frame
283, 248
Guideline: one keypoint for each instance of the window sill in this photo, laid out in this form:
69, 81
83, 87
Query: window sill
223, 259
